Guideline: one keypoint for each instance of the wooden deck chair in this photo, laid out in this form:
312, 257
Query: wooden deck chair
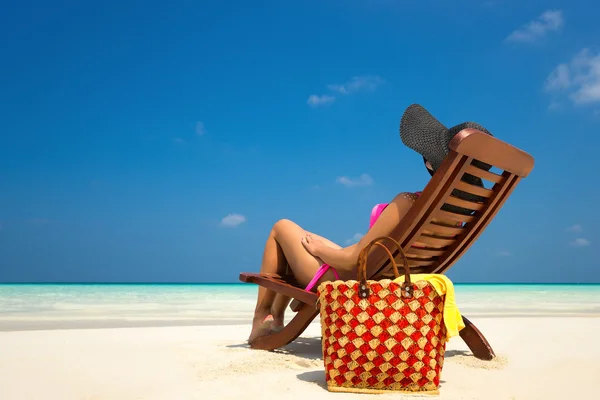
439, 245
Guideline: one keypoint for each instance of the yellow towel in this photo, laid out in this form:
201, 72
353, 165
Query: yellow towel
452, 318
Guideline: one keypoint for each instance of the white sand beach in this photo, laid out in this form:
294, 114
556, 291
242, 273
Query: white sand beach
187, 342
539, 358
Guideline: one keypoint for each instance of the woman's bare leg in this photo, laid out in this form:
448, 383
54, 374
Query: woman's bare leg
283, 247
281, 302
278, 309
273, 261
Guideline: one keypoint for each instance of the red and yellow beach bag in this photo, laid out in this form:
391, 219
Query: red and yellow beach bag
382, 336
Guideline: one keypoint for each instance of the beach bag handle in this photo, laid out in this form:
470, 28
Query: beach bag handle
364, 290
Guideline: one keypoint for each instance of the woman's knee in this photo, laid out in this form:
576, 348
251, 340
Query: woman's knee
283, 225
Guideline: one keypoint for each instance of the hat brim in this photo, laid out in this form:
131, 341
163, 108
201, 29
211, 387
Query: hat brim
422, 132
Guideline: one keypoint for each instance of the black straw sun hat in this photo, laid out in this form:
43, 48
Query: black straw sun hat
422, 132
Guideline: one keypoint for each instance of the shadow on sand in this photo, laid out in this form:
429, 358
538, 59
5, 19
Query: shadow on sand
453, 353
317, 377
309, 348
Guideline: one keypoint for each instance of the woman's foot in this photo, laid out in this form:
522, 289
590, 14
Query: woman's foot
261, 326
277, 323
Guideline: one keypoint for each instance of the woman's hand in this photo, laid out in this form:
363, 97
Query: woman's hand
337, 257
313, 245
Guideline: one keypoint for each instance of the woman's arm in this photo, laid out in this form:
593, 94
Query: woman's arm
342, 258
388, 220
330, 253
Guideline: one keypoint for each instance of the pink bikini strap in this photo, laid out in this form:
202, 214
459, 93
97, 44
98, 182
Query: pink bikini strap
320, 272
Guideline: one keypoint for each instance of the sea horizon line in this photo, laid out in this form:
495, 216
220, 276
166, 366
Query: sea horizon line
246, 284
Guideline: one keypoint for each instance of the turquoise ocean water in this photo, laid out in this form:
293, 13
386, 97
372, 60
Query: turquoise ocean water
37, 306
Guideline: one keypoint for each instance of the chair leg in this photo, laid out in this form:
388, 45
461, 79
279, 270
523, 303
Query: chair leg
289, 333
476, 341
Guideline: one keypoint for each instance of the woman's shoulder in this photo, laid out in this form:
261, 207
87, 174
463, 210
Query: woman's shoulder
411, 196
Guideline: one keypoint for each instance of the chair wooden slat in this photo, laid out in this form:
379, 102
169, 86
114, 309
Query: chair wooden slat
426, 252
443, 229
469, 205
483, 174
413, 262
433, 241
477, 190
446, 215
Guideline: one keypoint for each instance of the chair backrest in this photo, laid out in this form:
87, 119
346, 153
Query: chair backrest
435, 232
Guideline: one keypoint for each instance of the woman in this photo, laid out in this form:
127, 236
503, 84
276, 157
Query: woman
314, 259
306, 252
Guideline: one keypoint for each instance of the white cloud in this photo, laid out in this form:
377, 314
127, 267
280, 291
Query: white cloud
363, 180
578, 79
577, 228
200, 129
554, 105
233, 220
559, 78
315, 100
580, 242
39, 221
179, 140
504, 253
357, 83
549, 21
354, 239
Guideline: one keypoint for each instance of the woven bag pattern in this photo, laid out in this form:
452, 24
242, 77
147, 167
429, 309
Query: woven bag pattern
385, 342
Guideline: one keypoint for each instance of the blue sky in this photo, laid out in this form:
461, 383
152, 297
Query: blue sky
159, 141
